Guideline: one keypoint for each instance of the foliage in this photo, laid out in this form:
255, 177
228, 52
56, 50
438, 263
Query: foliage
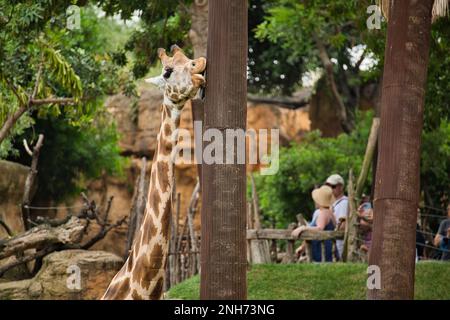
74, 62
437, 97
303, 166
435, 165
84, 64
312, 281
163, 23
272, 67
291, 27
71, 155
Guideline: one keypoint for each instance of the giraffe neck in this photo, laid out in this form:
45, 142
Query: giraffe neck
142, 276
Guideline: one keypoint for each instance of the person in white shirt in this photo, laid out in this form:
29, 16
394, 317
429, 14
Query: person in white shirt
340, 206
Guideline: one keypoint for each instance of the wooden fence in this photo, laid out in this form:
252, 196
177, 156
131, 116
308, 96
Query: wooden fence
273, 235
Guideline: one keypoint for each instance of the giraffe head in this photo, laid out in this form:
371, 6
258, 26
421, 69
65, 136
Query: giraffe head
181, 77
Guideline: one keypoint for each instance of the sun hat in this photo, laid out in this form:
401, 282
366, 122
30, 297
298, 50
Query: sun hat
323, 196
335, 179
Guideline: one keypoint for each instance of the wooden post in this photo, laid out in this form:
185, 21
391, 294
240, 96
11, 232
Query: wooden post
398, 170
137, 207
223, 259
308, 250
260, 248
255, 198
323, 251
177, 251
354, 194
198, 108
351, 228
190, 216
249, 226
289, 256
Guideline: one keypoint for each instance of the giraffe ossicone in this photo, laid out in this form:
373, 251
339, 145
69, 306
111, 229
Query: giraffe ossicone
142, 275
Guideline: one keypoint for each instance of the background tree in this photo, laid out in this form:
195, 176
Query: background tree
326, 36
289, 25
54, 81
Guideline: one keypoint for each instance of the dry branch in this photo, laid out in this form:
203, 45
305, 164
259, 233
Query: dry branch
44, 235
30, 179
57, 234
6, 227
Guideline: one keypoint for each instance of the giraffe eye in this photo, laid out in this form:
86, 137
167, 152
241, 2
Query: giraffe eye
193, 64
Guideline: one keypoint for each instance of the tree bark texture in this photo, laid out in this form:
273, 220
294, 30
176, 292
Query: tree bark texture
223, 245
397, 180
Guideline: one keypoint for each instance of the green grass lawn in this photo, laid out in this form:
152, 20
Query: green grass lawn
323, 281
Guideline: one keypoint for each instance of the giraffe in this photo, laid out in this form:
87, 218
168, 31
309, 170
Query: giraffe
142, 275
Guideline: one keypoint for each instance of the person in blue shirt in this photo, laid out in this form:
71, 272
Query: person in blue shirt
441, 240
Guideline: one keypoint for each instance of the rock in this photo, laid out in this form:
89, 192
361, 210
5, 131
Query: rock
12, 182
58, 278
149, 121
119, 106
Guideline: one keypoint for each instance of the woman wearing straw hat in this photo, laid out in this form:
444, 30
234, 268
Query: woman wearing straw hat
325, 220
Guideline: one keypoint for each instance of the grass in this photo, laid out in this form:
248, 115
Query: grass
323, 281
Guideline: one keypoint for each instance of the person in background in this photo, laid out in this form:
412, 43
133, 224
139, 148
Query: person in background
323, 220
365, 218
339, 207
441, 240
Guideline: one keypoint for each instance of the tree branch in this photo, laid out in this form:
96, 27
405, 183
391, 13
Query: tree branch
30, 180
60, 101
38, 78
9, 123
328, 65
287, 102
5, 226
28, 258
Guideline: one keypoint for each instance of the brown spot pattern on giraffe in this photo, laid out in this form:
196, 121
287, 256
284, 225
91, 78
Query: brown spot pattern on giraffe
155, 200
130, 262
122, 289
146, 270
165, 146
163, 170
167, 130
150, 231
136, 295
165, 220
157, 291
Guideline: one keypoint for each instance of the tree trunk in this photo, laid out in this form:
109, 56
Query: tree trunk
397, 183
223, 259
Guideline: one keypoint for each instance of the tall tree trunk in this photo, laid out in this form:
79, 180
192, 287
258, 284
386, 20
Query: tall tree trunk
223, 259
397, 181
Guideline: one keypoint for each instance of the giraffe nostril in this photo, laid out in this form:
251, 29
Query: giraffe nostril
168, 73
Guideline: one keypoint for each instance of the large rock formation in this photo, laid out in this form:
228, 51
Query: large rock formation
66, 275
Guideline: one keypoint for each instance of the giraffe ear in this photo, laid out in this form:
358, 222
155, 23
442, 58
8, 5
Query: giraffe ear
157, 81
